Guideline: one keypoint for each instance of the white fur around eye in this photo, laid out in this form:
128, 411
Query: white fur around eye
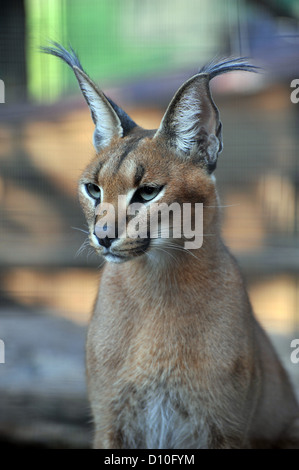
129, 195
86, 193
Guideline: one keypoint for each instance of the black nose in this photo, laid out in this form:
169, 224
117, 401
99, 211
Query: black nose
106, 242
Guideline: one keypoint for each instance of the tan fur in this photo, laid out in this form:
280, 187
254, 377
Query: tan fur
175, 356
179, 326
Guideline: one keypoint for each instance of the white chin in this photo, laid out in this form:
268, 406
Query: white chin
114, 258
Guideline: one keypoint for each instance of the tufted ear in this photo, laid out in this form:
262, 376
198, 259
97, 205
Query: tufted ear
191, 124
109, 119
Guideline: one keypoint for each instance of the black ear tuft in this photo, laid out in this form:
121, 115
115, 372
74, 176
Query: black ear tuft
68, 56
220, 66
191, 124
90, 90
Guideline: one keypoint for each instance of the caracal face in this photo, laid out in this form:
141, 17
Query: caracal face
124, 188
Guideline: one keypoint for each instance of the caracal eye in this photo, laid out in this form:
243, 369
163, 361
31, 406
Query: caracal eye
93, 190
147, 193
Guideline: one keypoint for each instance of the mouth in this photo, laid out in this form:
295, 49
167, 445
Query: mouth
115, 255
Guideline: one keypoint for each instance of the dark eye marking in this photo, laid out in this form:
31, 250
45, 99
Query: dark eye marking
131, 144
130, 147
140, 170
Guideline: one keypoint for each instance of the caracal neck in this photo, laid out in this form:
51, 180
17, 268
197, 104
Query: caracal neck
163, 274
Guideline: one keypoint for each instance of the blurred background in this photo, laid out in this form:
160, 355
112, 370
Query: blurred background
139, 52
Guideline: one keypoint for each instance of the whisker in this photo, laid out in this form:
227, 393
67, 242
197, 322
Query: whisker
82, 248
226, 205
90, 252
165, 251
80, 230
101, 263
173, 246
166, 231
